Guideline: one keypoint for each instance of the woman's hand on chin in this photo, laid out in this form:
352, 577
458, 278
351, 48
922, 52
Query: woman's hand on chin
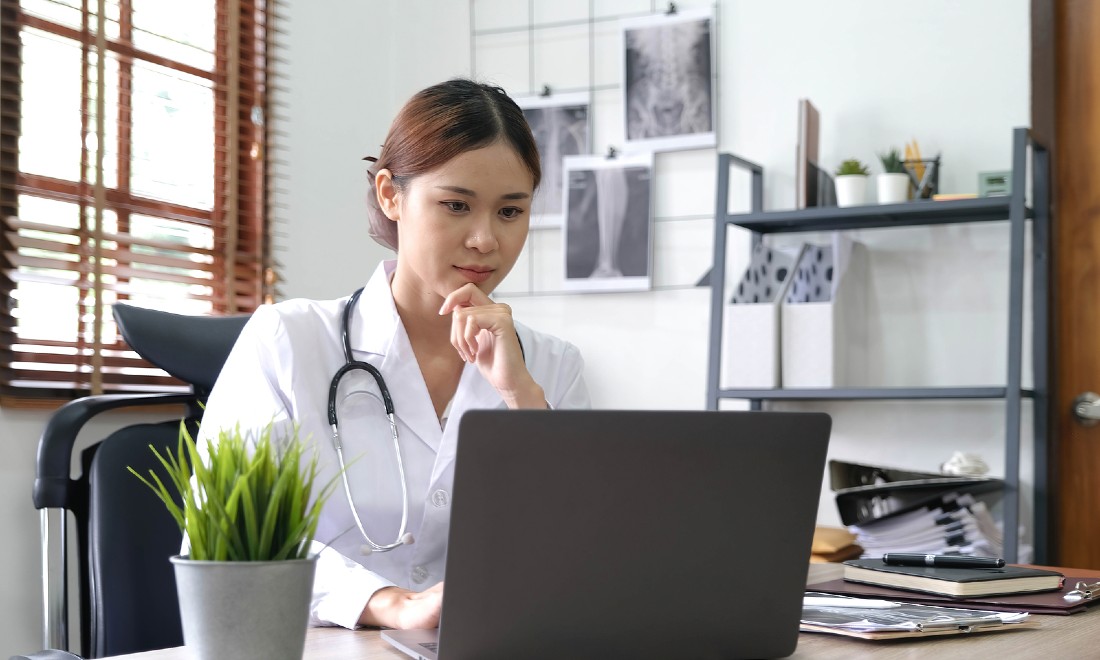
484, 334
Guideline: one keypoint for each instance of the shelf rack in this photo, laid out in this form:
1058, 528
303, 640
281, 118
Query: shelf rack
1017, 213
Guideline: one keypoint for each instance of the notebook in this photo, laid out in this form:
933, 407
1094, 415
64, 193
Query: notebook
957, 582
628, 534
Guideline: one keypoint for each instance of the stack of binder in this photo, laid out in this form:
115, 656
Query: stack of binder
894, 510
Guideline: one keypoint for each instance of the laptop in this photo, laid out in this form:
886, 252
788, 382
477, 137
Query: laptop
627, 534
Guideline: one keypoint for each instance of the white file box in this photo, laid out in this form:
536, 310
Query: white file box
824, 341
750, 339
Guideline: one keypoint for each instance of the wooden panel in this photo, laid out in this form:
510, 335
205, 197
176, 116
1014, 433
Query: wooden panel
1076, 452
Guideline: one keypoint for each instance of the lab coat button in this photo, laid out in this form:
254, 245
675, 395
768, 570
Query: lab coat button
440, 498
419, 574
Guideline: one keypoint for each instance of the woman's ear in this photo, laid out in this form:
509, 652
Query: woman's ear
388, 194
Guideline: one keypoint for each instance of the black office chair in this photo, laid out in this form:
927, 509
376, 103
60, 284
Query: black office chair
125, 535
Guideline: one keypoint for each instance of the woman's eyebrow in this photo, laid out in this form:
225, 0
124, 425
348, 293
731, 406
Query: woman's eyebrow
469, 193
459, 189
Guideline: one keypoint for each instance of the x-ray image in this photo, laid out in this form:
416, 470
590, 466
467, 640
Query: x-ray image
560, 126
608, 229
669, 96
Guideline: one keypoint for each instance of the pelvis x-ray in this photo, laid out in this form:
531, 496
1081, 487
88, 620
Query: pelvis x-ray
668, 82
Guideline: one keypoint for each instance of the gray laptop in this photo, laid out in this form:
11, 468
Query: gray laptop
627, 534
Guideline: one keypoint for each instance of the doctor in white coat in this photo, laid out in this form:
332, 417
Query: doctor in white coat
452, 192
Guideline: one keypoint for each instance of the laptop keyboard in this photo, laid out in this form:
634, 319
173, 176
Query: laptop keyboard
431, 646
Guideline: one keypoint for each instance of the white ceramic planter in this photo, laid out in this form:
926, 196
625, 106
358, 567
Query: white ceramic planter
892, 188
851, 189
244, 610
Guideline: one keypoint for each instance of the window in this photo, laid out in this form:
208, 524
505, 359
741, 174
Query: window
132, 168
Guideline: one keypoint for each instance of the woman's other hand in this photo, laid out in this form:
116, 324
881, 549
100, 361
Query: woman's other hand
394, 607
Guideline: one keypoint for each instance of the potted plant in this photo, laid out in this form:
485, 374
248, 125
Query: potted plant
892, 185
851, 183
249, 512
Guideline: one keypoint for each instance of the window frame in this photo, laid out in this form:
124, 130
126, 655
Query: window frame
242, 267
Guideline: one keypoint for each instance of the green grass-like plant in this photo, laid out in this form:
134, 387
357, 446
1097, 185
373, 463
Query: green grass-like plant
250, 499
852, 166
892, 162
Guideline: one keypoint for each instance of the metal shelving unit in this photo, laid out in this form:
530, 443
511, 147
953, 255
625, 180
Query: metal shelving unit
1017, 213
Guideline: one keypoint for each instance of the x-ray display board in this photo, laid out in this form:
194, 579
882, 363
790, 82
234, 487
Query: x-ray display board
560, 126
668, 82
608, 222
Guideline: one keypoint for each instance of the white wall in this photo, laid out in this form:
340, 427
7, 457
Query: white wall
953, 75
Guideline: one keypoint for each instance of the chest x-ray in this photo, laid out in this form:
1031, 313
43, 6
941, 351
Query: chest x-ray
669, 96
560, 126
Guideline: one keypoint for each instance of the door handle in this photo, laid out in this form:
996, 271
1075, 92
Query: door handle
1086, 408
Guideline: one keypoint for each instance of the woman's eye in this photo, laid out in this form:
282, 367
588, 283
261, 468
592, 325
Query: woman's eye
511, 212
455, 206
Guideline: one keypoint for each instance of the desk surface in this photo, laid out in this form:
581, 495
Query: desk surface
1058, 637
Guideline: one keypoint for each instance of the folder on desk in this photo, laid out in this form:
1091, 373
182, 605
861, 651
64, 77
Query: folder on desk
1049, 602
907, 620
868, 492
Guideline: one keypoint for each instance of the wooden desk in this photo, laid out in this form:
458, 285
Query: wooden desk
1059, 637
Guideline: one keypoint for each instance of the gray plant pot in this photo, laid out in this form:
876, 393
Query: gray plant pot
245, 610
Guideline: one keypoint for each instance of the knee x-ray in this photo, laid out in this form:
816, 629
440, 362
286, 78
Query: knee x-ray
608, 229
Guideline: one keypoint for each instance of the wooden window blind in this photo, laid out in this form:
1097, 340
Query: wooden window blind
133, 168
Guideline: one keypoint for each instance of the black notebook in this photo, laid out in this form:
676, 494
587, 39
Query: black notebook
956, 582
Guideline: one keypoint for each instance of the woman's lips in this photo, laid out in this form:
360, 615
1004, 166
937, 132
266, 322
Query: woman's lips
475, 274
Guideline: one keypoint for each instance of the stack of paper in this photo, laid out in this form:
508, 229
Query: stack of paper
960, 524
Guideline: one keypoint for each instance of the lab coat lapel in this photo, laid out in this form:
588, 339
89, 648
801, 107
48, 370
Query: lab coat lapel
379, 335
474, 393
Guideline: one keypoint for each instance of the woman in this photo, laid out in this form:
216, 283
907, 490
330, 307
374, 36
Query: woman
451, 193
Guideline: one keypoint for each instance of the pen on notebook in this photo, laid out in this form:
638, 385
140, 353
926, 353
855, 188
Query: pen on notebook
866, 603
941, 561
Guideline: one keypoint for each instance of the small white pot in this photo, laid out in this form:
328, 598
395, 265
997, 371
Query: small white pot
892, 188
851, 189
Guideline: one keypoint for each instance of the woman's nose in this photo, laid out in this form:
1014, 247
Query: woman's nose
482, 237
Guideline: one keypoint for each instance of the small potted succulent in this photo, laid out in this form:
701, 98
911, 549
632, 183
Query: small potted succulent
892, 185
851, 183
250, 513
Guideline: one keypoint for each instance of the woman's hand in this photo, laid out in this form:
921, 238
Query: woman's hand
483, 333
394, 607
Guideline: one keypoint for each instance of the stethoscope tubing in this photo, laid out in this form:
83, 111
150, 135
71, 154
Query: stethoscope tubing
355, 365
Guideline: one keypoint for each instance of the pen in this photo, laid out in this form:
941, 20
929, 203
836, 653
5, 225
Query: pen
941, 561
866, 603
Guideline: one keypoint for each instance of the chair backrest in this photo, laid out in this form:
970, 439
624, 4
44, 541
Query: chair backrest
131, 585
125, 535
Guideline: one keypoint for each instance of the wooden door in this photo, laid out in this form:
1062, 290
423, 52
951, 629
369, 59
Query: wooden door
1066, 105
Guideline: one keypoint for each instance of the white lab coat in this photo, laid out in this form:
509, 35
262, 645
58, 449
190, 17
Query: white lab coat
280, 370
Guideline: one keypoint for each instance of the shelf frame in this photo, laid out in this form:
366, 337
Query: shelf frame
1017, 213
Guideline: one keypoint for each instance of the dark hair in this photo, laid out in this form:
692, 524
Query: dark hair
439, 123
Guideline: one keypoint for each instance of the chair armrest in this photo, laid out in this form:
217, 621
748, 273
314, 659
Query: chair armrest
52, 481
50, 654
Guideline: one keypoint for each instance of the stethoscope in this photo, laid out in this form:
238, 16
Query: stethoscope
351, 364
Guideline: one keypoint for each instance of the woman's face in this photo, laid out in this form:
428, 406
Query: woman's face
465, 221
